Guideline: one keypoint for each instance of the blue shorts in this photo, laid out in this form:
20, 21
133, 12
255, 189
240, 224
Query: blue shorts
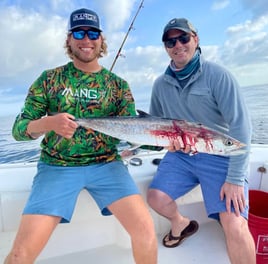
178, 173
56, 188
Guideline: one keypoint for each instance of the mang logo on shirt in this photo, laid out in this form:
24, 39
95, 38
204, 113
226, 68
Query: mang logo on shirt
82, 93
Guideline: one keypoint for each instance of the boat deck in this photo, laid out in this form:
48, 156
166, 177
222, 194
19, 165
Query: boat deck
200, 248
206, 246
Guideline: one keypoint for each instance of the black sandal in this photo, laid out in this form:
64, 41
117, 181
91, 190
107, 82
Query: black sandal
186, 232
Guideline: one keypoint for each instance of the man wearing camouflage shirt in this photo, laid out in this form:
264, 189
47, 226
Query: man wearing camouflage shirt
74, 158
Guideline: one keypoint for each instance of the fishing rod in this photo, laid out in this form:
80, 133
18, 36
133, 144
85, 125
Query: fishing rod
125, 38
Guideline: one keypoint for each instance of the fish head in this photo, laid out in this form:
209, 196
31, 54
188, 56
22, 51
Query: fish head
228, 146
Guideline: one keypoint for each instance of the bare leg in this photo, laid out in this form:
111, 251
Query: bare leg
240, 243
135, 217
168, 208
32, 236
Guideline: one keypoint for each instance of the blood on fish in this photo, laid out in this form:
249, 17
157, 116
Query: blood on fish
164, 134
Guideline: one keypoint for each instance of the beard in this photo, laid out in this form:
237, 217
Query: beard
86, 59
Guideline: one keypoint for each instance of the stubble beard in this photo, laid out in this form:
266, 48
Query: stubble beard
79, 56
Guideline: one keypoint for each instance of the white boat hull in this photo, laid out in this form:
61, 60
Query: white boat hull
92, 238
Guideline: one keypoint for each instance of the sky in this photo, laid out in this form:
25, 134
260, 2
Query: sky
233, 33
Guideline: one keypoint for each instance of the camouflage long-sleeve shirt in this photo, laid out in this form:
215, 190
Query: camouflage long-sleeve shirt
67, 89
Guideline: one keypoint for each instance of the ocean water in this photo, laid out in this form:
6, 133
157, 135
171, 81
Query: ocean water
12, 151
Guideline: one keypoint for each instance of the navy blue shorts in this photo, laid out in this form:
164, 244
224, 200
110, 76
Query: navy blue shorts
56, 188
178, 173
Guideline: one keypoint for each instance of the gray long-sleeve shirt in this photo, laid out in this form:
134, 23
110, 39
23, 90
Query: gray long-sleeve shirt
211, 97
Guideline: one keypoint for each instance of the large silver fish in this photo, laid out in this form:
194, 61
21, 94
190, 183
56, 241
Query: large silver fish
145, 129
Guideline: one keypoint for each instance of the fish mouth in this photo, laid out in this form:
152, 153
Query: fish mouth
233, 152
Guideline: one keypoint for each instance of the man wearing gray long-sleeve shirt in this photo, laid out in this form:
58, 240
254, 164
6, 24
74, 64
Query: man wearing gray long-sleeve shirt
200, 91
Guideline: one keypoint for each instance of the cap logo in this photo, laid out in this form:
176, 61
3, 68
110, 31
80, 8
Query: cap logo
173, 21
84, 16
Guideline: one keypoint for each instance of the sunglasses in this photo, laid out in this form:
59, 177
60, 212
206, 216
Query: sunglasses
80, 34
183, 39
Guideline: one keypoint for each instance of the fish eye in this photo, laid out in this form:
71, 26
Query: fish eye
228, 142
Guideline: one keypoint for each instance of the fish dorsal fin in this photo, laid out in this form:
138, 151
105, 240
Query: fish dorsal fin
142, 113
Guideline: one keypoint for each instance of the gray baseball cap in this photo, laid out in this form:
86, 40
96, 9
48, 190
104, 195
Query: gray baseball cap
178, 23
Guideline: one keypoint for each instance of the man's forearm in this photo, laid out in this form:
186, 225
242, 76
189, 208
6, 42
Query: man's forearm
39, 127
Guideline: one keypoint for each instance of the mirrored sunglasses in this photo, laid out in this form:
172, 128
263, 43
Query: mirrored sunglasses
80, 34
183, 39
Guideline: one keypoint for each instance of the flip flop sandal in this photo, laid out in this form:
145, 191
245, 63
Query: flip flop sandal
186, 232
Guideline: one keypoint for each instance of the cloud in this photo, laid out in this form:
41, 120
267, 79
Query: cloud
211, 53
249, 26
256, 7
219, 5
247, 43
115, 19
245, 50
31, 40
